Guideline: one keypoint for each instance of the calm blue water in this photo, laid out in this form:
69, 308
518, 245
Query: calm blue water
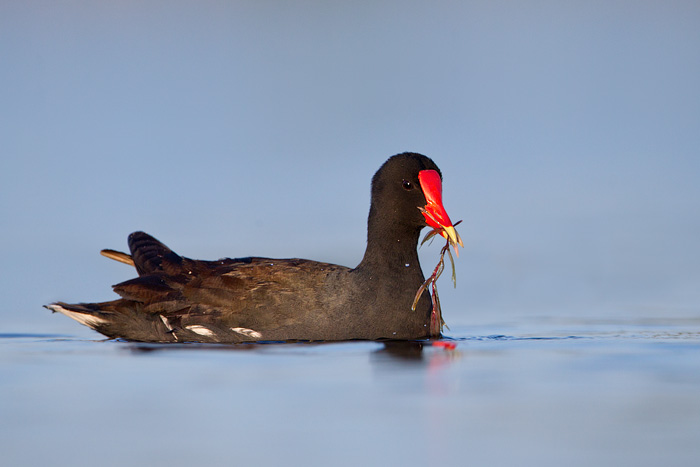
568, 136
543, 392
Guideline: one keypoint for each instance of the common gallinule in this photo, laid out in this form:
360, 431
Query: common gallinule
177, 299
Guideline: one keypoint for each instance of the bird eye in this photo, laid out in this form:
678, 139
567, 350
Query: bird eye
407, 185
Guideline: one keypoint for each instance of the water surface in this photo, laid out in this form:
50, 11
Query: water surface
551, 392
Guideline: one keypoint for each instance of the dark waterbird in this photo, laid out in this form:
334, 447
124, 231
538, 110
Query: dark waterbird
177, 299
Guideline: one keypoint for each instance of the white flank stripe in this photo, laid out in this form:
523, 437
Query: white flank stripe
167, 325
166, 322
201, 330
247, 332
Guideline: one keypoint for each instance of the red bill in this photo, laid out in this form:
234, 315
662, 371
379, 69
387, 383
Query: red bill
434, 211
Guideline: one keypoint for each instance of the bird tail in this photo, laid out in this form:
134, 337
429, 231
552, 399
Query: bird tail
92, 315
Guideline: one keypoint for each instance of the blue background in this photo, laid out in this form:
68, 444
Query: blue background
568, 134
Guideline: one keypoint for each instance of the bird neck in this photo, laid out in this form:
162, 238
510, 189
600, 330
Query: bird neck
391, 247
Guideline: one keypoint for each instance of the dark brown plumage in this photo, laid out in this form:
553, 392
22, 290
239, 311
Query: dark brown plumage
177, 299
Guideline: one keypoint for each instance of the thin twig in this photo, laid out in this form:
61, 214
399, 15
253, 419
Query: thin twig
436, 321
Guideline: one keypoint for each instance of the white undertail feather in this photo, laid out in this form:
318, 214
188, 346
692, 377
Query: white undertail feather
90, 321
